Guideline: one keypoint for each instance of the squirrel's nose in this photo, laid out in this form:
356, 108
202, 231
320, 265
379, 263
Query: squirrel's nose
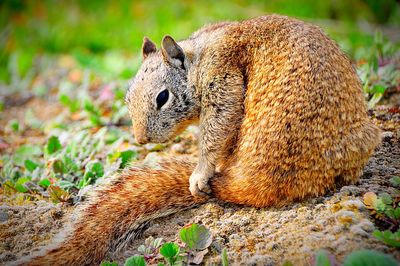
140, 137
141, 141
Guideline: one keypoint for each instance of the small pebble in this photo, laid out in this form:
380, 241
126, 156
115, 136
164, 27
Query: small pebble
3, 217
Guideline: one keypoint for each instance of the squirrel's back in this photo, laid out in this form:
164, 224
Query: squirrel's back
305, 127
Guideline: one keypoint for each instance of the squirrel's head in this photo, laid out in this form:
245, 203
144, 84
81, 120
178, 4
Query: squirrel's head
160, 102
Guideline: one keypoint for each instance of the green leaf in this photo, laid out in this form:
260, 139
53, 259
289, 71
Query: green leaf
19, 185
53, 145
378, 89
224, 257
376, 97
95, 120
24, 152
59, 167
391, 239
44, 183
196, 236
322, 259
369, 258
14, 125
126, 157
65, 185
94, 170
170, 251
135, 261
73, 105
379, 205
57, 194
386, 198
395, 181
396, 213
30, 165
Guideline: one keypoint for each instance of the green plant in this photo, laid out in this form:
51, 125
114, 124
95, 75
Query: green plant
386, 209
170, 251
196, 238
355, 258
135, 261
224, 257
369, 258
388, 237
378, 70
150, 247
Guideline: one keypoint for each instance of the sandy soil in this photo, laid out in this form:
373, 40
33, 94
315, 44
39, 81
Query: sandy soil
337, 222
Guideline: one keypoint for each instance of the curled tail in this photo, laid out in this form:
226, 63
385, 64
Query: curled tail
119, 210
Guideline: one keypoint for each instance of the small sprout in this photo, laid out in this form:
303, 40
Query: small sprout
386, 198
93, 171
135, 261
14, 125
30, 165
19, 185
44, 183
170, 251
391, 239
73, 105
126, 157
57, 194
323, 258
369, 258
395, 181
93, 113
150, 247
196, 237
53, 145
224, 257
58, 167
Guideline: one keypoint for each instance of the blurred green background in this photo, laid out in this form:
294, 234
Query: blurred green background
106, 35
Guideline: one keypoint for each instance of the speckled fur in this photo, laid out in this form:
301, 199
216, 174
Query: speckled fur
282, 118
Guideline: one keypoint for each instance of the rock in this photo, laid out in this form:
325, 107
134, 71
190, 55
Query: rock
351, 190
387, 136
345, 217
3, 217
261, 260
354, 204
178, 148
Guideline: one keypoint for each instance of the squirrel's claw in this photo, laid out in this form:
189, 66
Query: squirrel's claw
199, 184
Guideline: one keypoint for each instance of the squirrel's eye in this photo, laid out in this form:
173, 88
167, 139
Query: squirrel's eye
162, 98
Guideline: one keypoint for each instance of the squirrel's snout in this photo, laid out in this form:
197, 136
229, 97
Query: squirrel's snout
141, 140
140, 137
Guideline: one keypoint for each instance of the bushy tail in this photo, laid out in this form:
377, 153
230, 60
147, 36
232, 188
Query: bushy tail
119, 210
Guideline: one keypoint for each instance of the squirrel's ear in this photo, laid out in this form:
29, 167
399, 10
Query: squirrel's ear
172, 52
148, 47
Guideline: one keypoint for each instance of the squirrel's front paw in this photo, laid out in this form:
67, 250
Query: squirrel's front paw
199, 183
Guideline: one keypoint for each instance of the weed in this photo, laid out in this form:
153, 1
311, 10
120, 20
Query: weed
196, 238
386, 210
355, 258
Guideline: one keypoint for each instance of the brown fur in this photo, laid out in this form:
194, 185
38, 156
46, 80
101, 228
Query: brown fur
282, 118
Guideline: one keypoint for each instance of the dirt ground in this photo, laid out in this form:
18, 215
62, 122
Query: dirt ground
338, 222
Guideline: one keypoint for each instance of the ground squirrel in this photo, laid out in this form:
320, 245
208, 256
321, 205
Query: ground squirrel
281, 115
